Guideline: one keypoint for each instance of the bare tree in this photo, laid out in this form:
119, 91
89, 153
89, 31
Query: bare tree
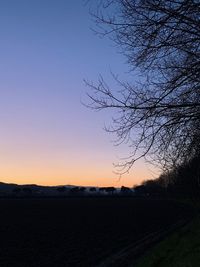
159, 116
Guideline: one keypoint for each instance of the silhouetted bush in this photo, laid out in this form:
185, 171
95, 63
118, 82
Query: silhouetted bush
75, 190
93, 189
61, 189
125, 190
110, 190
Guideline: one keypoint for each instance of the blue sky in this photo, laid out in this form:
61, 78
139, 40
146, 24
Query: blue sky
47, 136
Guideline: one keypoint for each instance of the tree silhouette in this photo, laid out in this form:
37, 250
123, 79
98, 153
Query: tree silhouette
126, 190
159, 116
61, 189
110, 189
82, 189
75, 190
93, 189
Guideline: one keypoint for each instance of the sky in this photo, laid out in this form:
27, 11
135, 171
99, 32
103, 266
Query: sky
47, 136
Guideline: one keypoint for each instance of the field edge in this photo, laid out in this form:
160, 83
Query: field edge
179, 249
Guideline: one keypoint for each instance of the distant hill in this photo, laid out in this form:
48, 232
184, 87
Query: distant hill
7, 189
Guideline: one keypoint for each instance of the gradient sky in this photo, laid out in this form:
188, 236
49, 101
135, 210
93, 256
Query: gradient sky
47, 136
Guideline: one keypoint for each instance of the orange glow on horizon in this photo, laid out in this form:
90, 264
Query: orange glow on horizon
85, 164
74, 175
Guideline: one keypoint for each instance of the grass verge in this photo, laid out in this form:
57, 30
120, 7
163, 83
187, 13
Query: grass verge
181, 249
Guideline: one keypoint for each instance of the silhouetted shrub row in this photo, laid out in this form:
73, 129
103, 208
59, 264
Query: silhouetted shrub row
60, 191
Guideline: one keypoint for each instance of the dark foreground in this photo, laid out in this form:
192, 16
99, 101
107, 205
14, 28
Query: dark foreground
77, 231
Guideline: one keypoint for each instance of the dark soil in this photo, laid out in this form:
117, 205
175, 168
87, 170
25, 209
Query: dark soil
77, 231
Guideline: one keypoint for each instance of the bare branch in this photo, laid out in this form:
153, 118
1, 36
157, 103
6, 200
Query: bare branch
160, 116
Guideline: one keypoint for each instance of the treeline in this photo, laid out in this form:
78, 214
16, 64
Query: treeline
110, 190
63, 191
181, 181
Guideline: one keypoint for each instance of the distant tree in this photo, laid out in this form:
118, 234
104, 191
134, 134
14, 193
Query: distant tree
75, 190
159, 116
126, 190
61, 189
93, 189
82, 189
110, 189
101, 189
